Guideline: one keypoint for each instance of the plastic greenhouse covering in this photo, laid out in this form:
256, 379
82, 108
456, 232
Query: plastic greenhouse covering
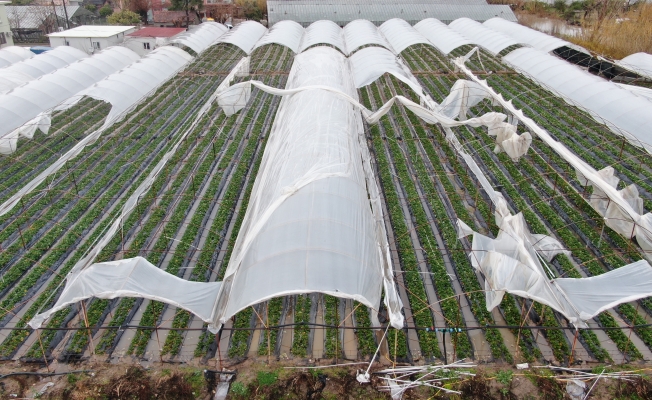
123, 90
286, 33
371, 63
26, 108
401, 35
440, 35
493, 41
529, 36
127, 87
13, 54
244, 35
201, 37
360, 33
640, 63
323, 32
626, 113
45, 63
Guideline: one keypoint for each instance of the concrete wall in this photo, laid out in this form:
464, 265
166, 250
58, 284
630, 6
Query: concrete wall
137, 44
5, 30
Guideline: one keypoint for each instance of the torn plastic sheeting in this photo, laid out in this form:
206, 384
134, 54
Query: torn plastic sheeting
134, 277
619, 213
639, 63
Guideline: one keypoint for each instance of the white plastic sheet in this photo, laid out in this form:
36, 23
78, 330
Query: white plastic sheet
244, 35
440, 35
511, 263
624, 112
360, 33
401, 35
13, 54
201, 37
529, 36
323, 32
287, 33
23, 108
640, 63
493, 41
371, 63
32, 68
134, 277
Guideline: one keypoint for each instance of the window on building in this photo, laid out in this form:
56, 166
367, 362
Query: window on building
96, 45
146, 45
67, 43
3, 39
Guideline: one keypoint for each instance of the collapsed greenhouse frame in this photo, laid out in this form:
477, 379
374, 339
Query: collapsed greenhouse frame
423, 342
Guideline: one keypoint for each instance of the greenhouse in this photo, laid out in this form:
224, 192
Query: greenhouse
422, 191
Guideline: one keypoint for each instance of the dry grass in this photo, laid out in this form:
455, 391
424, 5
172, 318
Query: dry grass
619, 37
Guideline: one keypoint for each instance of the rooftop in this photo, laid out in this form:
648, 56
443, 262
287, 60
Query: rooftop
157, 32
92, 31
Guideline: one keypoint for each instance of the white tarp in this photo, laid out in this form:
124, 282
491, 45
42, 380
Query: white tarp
401, 35
32, 68
13, 54
200, 37
493, 41
640, 63
440, 35
244, 35
624, 112
287, 33
24, 108
529, 36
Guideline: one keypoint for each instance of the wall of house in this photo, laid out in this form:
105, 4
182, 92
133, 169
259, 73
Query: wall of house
88, 44
139, 44
5, 31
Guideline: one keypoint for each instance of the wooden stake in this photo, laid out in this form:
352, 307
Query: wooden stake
90, 336
38, 335
160, 356
572, 355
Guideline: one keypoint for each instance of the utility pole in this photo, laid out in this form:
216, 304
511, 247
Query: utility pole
65, 11
56, 18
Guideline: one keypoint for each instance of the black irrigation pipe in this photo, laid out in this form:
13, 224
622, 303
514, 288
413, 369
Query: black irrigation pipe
46, 373
418, 328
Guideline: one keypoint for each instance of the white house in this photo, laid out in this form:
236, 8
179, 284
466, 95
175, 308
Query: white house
91, 38
145, 40
5, 30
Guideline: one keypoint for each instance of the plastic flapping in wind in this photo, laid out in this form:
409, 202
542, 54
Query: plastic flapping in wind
640, 63
201, 37
26, 108
309, 226
32, 68
529, 36
137, 277
13, 54
493, 41
286, 33
440, 35
401, 35
624, 112
244, 35
323, 32
514, 262
371, 63
360, 33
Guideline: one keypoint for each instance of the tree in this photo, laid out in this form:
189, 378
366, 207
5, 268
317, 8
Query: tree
140, 7
91, 7
124, 17
105, 11
188, 5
